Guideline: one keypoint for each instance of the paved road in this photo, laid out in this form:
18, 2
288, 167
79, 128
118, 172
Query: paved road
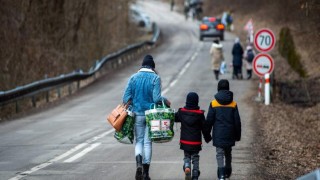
73, 141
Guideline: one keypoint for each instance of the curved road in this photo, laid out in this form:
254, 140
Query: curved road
73, 140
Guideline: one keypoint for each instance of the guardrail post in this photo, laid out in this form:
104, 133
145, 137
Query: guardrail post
70, 89
17, 107
47, 96
34, 103
59, 92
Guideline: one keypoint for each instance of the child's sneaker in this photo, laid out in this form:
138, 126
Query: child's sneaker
187, 172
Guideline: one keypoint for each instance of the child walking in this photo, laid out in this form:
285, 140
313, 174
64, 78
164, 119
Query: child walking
249, 55
192, 120
224, 120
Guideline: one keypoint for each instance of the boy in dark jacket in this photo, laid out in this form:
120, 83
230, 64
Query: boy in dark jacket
192, 120
224, 120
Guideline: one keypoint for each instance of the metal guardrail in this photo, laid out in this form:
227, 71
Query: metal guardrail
52, 83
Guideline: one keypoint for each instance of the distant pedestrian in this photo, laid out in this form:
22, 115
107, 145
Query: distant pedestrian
224, 19
249, 55
217, 58
143, 90
237, 53
227, 20
192, 120
186, 9
230, 26
172, 5
223, 125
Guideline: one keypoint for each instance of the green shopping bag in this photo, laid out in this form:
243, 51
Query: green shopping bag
160, 120
126, 134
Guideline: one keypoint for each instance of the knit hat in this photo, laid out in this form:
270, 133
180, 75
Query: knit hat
148, 62
223, 85
192, 100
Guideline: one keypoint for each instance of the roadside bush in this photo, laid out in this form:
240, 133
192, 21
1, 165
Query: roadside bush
288, 51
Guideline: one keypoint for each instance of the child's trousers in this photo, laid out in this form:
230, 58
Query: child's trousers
224, 157
191, 156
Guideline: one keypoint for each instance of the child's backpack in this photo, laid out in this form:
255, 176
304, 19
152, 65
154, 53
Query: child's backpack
250, 55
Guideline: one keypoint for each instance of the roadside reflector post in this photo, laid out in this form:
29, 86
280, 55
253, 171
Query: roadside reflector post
267, 89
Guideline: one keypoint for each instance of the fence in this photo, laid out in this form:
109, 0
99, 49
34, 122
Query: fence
75, 80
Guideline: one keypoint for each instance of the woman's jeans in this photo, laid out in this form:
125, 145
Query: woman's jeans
143, 142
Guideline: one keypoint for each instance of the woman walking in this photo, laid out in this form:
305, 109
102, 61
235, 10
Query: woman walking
216, 52
143, 89
237, 52
249, 55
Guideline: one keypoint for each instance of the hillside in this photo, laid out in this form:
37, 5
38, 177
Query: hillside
47, 38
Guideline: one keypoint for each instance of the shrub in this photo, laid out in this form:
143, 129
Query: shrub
288, 51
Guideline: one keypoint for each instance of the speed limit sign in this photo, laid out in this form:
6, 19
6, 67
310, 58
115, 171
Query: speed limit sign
264, 40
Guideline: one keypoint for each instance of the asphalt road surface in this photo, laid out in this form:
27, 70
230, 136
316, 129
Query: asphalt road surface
73, 141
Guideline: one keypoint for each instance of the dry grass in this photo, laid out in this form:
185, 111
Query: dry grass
52, 37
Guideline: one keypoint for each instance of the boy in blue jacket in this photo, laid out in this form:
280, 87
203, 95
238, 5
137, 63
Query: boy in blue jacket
224, 120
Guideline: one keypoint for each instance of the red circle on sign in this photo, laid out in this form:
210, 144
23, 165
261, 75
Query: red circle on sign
256, 44
254, 64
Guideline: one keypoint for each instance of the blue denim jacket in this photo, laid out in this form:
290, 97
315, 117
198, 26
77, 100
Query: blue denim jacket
143, 89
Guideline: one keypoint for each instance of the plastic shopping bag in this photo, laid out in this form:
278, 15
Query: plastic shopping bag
126, 134
223, 67
160, 120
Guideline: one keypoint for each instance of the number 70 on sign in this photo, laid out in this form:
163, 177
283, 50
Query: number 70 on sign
264, 40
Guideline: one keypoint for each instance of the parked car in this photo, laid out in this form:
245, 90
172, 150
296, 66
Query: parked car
140, 18
211, 27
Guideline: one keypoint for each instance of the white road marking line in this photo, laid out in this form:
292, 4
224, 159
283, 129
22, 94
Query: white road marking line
181, 72
82, 153
72, 150
69, 152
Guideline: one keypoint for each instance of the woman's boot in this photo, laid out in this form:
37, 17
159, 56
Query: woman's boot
216, 73
146, 172
139, 168
249, 72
